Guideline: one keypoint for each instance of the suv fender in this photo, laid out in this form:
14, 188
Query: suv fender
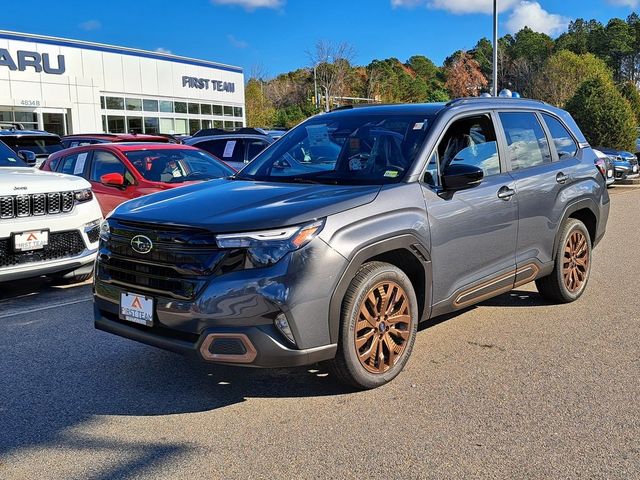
409, 245
585, 204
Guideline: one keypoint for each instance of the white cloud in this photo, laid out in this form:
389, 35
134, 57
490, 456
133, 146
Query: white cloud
625, 3
251, 4
457, 6
237, 43
90, 25
531, 14
163, 50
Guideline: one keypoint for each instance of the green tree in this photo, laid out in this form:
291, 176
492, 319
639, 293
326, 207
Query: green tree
603, 114
620, 39
260, 111
483, 54
630, 92
563, 73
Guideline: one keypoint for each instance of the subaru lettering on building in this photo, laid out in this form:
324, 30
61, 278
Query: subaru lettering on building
25, 59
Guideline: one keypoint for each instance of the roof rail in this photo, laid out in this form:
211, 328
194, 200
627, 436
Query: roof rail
463, 100
211, 132
11, 126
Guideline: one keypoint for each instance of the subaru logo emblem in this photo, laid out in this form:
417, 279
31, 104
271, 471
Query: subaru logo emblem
141, 244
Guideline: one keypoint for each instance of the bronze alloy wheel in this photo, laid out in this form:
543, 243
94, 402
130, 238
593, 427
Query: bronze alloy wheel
575, 266
383, 327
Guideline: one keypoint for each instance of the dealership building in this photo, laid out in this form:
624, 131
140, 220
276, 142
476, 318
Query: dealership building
70, 86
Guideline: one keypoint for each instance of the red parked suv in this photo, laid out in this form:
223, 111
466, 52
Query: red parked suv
121, 171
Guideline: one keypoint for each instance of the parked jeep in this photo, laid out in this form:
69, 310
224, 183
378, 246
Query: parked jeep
335, 242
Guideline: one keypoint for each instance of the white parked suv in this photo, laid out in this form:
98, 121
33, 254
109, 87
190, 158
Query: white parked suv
49, 222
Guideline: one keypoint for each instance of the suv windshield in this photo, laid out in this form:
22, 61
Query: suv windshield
177, 165
38, 145
343, 149
8, 157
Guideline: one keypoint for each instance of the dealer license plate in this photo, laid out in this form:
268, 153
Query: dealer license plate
34, 240
136, 308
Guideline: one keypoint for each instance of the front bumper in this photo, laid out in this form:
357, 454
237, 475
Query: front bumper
242, 304
270, 352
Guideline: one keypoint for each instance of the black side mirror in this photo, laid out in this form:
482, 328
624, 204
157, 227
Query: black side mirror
27, 156
461, 176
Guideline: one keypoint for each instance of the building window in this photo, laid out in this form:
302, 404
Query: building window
150, 105
104, 124
181, 107
54, 123
237, 111
229, 125
205, 109
134, 104
206, 123
166, 106
6, 116
194, 109
194, 126
102, 103
27, 119
217, 109
228, 111
239, 125
115, 124
151, 125
134, 125
166, 125
218, 124
115, 103
181, 126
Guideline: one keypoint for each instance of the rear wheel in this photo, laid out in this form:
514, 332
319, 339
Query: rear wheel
378, 327
570, 274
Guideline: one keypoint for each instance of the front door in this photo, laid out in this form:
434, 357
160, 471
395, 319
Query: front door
110, 196
473, 231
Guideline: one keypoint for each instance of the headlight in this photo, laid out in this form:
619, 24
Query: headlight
83, 195
105, 230
267, 247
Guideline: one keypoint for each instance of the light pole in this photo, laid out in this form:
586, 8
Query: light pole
315, 85
494, 86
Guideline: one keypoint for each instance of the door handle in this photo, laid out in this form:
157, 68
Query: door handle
561, 177
505, 193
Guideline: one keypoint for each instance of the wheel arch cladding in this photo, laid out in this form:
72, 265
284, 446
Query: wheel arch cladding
404, 252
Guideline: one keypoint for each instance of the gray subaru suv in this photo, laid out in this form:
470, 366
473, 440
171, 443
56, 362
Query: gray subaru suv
337, 240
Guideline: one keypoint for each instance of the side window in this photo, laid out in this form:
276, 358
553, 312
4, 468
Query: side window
53, 165
106, 162
72, 164
471, 141
564, 142
214, 147
528, 146
254, 147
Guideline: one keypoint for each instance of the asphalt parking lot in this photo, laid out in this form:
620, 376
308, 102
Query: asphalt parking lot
513, 388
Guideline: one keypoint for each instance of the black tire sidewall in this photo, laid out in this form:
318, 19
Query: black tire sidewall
382, 272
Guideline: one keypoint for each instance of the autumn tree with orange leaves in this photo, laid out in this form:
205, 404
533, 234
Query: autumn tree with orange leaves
464, 76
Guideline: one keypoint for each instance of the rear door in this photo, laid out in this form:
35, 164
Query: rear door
542, 169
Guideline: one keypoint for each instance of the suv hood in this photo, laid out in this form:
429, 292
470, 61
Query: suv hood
25, 180
225, 206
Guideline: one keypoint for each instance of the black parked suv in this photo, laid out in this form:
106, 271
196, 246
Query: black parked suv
335, 242
31, 146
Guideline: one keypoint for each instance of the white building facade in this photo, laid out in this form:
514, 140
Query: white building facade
69, 86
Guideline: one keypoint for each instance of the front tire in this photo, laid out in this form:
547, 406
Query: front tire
378, 327
568, 280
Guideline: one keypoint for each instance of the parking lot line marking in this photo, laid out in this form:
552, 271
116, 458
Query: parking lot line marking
48, 307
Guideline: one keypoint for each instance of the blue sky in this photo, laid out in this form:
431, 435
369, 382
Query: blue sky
277, 33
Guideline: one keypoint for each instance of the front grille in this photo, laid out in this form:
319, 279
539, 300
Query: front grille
61, 245
20, 206
178, 266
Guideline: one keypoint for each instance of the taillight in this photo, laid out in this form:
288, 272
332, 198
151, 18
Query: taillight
601, 165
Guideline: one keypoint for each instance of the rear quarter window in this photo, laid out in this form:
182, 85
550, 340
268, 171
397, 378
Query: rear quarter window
562, 139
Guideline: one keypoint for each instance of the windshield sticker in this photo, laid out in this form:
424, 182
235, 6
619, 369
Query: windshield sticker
391, 173
11, 159
80, 161
355, 164
229, 148
318, 135
418, 126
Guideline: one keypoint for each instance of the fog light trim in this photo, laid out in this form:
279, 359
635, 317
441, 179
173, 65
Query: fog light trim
248, 357
282, 324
